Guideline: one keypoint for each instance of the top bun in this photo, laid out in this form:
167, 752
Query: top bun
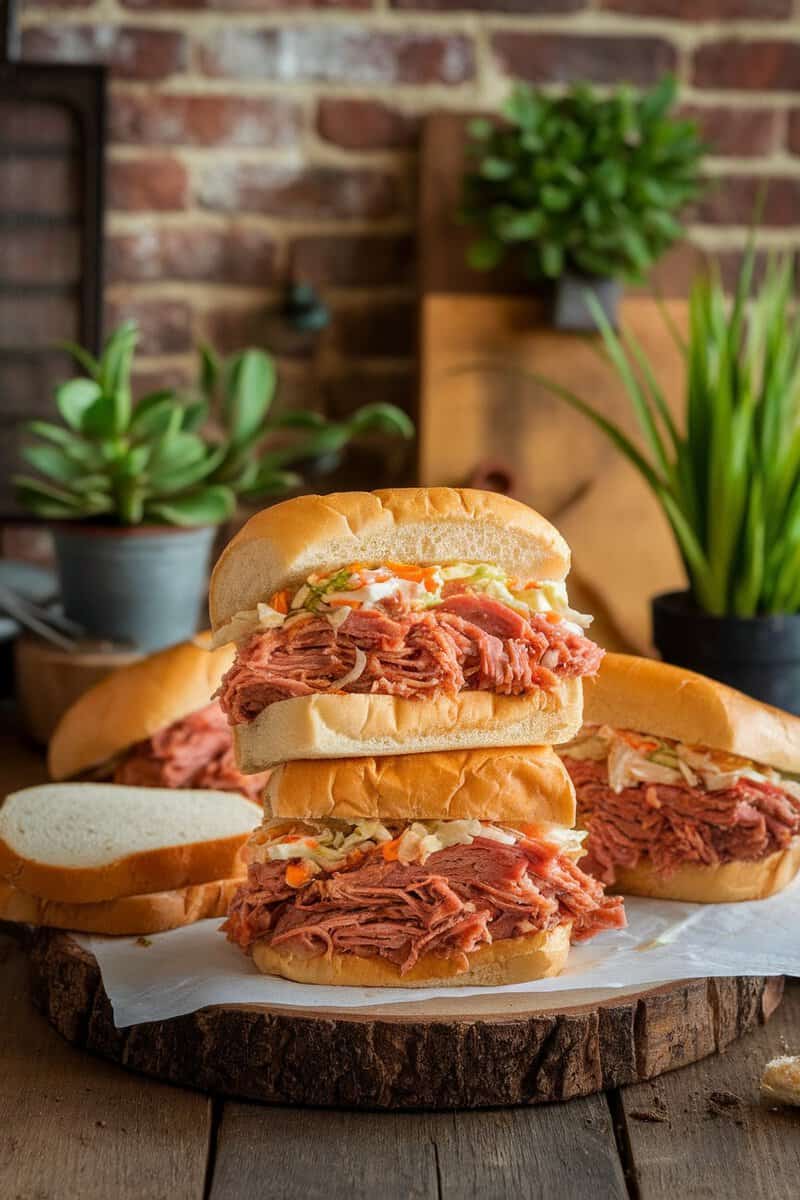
654, 697
134, 703
526, 783
281, 546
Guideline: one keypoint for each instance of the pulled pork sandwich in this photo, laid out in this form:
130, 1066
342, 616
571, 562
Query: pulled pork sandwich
688, 789
449, 868
154, 724
349, 610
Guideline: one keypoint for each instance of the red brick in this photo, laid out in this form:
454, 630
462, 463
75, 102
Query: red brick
528, 7
365, 124
204, 120
557, 58
38, 186
353, 260
37, 125
339, 54
229, 329
148, 185
376, 330
354, 387
794, 131
40, 255
58, 3
748, 64
289, 192
165, 326
702, 10
260, 6
732, 201
36, 321
239, 256
146, 379
742, 132
131, 53
675, 271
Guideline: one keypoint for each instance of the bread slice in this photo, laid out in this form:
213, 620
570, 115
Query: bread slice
512, 960
525, 784
282, 545
81, 843
724, 884
134, 703
127, 916
358, 725
655, 697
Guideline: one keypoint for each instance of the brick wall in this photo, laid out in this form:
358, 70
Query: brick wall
256, 140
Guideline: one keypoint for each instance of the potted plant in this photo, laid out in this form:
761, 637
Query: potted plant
584, 190
136, 491
727, 476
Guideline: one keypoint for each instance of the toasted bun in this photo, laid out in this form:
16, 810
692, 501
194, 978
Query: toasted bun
654, 697
282, 545
513, 960
128, 915
715, 885
80, 843
362, 725
134, 703
529, 784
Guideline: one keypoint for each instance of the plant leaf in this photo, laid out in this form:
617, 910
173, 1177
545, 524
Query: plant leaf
206, 506
74, 398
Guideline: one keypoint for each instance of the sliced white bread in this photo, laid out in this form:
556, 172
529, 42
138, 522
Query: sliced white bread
129, 915
81, 843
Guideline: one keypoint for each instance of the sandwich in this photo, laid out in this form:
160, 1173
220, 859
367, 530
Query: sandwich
447, 868
397, 622
688, 790
154, 724
120, 860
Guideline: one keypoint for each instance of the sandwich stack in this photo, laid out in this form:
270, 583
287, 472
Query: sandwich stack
405, 662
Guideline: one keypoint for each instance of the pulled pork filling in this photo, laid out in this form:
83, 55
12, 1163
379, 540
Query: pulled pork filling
378, 630
194, 752
490, 883
673, 805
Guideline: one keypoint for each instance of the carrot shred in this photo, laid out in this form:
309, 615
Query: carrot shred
338, 602
280, 601
391, 850
553, 617
297, 874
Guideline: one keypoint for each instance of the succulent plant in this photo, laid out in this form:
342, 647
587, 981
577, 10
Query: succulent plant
171, 457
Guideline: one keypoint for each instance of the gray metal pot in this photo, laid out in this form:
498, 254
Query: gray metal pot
571, 314
145, 584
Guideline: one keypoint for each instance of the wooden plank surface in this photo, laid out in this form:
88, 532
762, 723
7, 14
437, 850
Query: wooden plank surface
703, 1132
75, 1128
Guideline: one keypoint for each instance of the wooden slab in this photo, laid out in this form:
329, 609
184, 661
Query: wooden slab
467, 1052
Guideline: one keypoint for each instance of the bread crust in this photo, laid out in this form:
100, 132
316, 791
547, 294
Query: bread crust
134, 703
655, 697
724, 884
280, 546
513, 960
509, 784
328, 725
126, 916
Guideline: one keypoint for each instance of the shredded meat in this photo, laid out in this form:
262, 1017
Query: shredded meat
469, 642
677, 826
459, 899
195, 752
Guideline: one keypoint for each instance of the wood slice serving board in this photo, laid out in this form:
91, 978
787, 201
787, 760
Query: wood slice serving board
466, 1052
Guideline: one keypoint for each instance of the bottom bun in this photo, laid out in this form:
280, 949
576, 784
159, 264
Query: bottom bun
714, 885
152, 913
513, 960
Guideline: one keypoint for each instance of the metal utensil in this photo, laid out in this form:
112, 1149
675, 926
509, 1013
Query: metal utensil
52, 627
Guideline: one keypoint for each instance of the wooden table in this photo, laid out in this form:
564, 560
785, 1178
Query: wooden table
74, 1127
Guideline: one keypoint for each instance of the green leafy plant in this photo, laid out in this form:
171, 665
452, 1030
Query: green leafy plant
580, 182
728, 479
174, 458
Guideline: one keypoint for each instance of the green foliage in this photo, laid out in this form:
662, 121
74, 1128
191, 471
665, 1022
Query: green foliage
579, 182
729, 481
174, 458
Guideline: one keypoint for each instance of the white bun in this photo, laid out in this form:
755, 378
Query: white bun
281, 546
513, 960
126, 916
84, 842
714, 885
654, 697
134, 703
526, 784
366, 725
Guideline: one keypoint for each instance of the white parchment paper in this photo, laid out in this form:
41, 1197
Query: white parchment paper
187, 969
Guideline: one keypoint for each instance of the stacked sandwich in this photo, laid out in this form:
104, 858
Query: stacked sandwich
406, 660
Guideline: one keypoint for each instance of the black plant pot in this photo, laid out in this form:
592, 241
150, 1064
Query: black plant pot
571, 313
757, 655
